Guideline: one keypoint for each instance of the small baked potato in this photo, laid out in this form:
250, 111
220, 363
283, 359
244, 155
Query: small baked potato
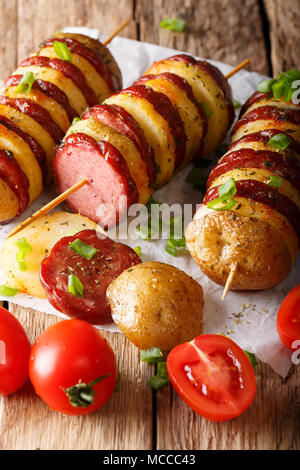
219, 239
41, 235
156, 305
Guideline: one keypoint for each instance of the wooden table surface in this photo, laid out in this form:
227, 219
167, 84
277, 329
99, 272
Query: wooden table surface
137, 418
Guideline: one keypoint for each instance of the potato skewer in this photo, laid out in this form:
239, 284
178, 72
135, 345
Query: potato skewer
81, 183
38, 103
245, 234
180, 109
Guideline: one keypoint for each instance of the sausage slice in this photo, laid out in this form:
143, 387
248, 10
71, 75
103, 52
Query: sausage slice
95, 274
110, 191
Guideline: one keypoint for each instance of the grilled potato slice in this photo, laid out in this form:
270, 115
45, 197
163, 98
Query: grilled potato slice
9, 140
41, 235
76, 98
9, 202
188, 112
207, 92
56, 111
157, 132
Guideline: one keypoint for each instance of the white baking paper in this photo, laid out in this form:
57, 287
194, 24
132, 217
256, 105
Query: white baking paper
248, 318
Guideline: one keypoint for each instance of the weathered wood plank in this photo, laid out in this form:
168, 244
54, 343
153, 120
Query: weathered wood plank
25, 421
125, 422
43, 18
284, 22
224, 30
272, 422
8, 37
8, 55
227, 31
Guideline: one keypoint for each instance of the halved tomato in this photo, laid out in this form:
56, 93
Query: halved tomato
288, 318
213, 375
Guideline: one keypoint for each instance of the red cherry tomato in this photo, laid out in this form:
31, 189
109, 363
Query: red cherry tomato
73, 368
288, 318
14, 354
213, 376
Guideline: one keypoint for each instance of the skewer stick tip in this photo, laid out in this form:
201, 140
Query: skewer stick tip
229, 281
116, 31
239, 67
48, 207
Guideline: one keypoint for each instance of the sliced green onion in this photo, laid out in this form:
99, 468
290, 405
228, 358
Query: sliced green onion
171, 249
148, 230
265, 86
279, 141
219, 205
252, 358
282, 86
24, 248
174, 24
275, 181
75, 286
228, 189
173, 244
72, 232
151, 355
225, 201
162, 370
178, 242
206, 110
8, 291
26, 83
152, 201
158, 382
82, 249
278, 89
236, 104
143, 232
76, 119
138, 250
62, 51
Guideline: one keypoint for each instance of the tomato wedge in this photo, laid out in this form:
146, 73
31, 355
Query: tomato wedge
288, 319
213, 375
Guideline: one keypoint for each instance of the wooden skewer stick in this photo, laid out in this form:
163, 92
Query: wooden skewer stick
44, 210
229, 280
236, 69
119, 28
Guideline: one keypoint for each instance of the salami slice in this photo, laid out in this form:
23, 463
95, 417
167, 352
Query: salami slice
95, 275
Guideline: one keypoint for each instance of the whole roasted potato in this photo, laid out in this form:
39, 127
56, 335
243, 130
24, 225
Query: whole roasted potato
156, 305
219, 239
